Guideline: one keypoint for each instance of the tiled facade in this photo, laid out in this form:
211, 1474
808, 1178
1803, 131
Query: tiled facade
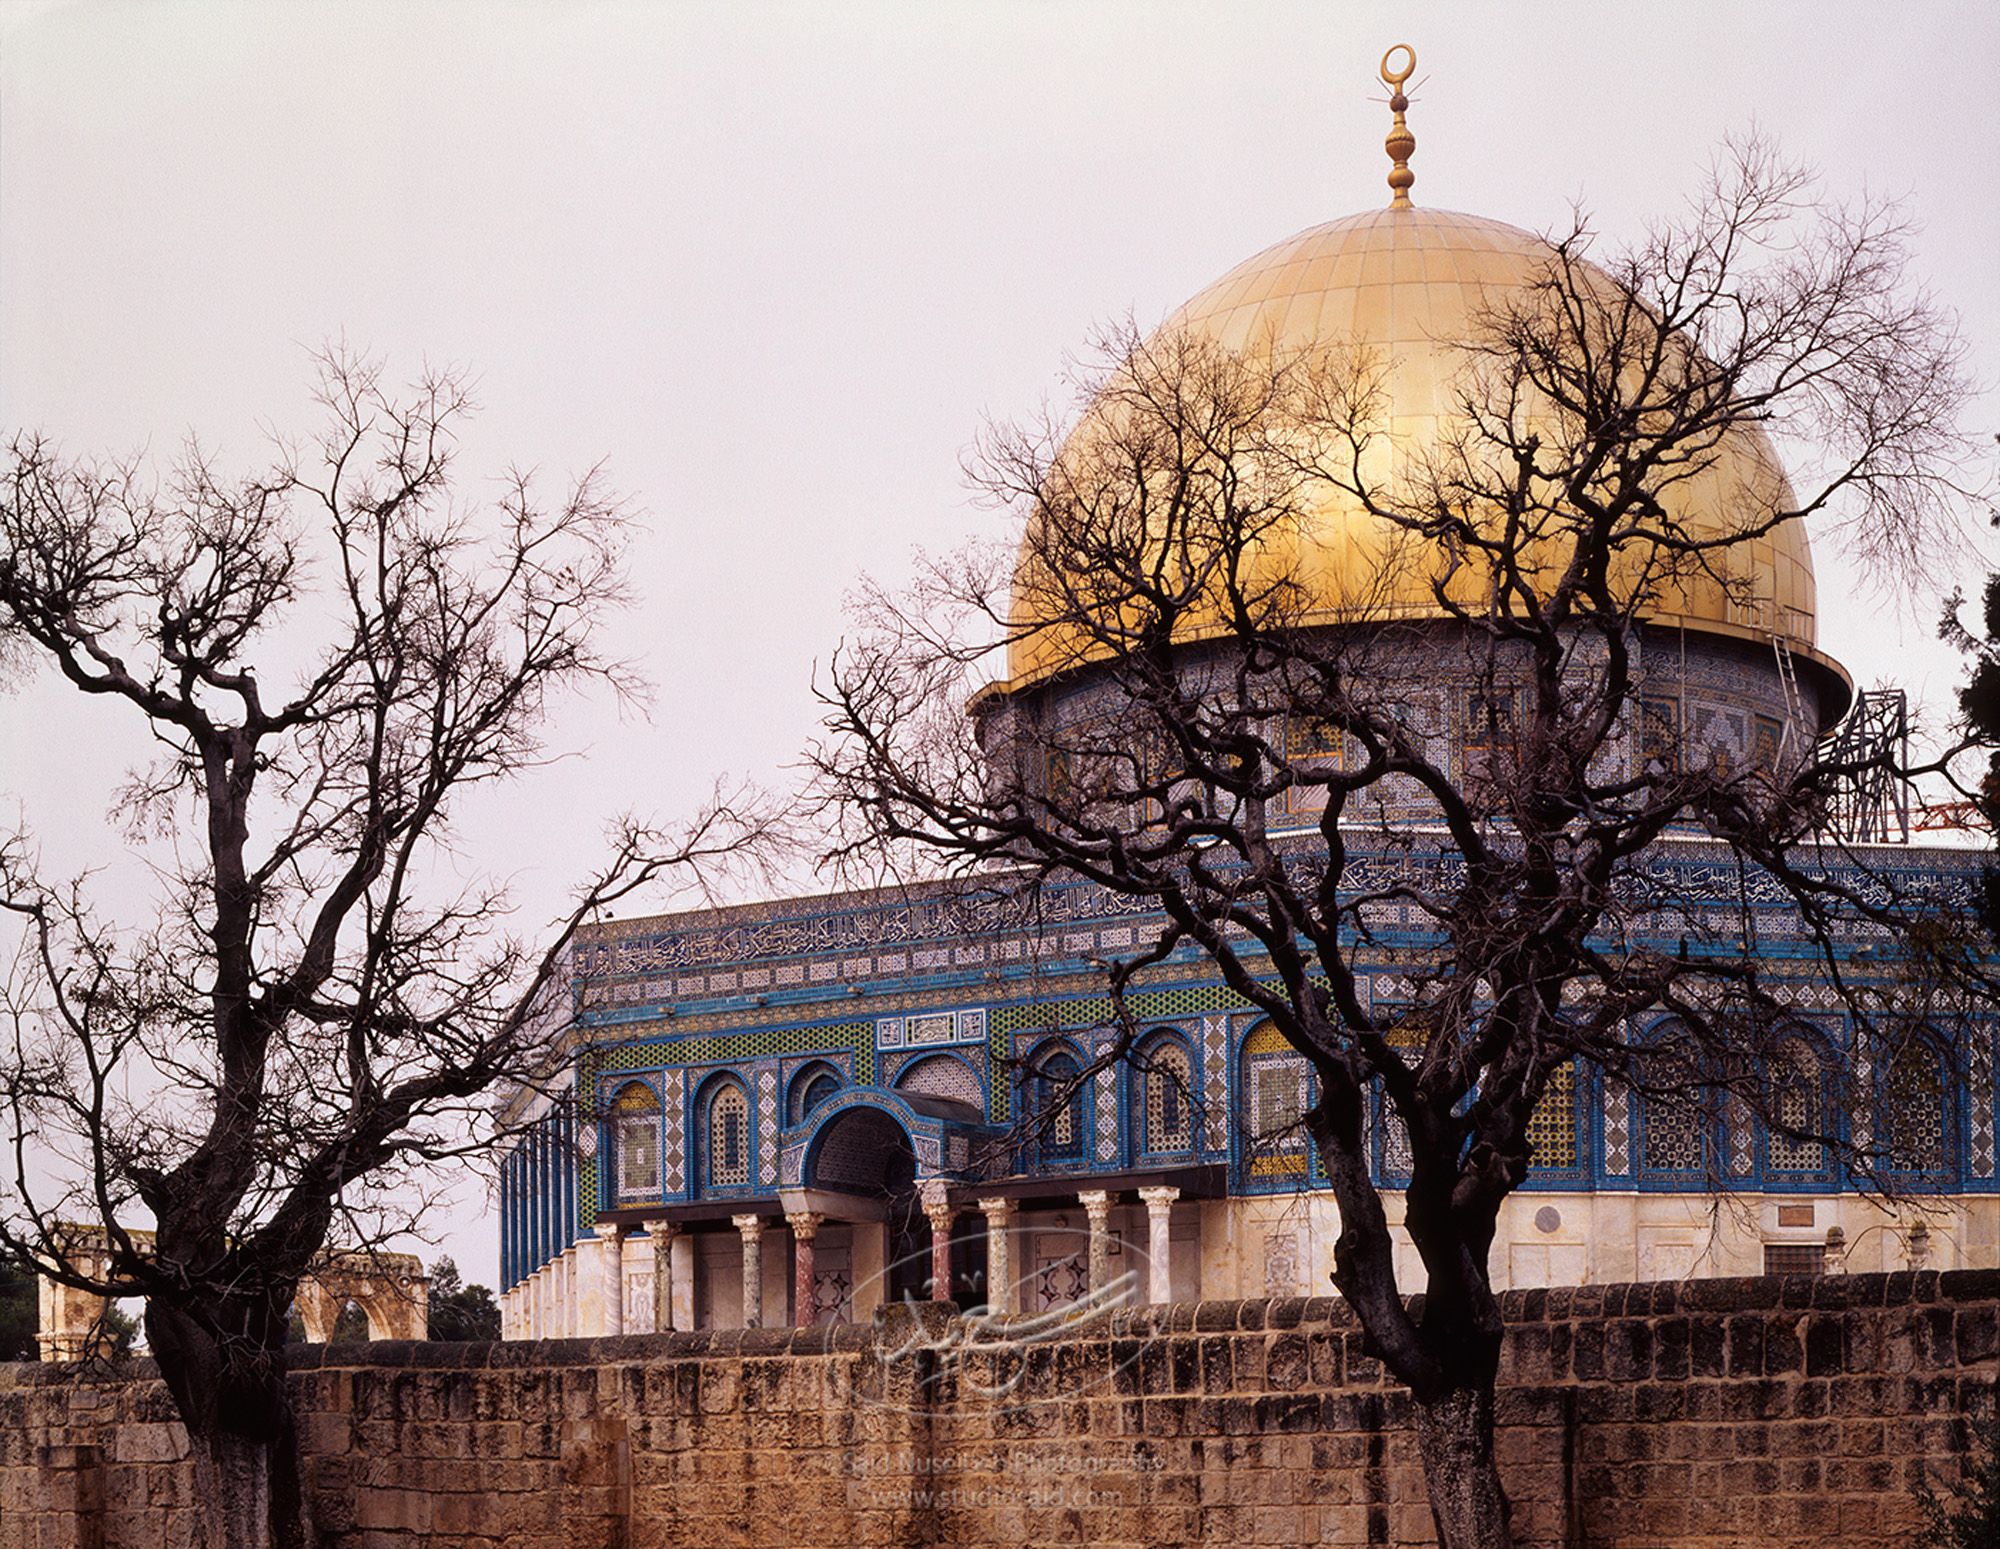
917, 1016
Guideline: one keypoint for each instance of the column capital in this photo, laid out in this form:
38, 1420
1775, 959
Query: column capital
1160, 1197
1001, 1209
804, 1223
750, 1224
610, 1231
1096, 1202
936, 1196
661, 1230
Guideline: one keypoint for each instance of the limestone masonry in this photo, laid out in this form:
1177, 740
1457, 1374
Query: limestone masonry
1697, 1415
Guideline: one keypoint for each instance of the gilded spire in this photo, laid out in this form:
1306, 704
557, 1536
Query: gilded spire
1401, 144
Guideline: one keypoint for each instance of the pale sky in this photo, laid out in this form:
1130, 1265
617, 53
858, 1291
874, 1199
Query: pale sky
774, 263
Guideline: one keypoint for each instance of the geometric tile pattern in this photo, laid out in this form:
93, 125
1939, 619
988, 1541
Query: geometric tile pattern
1215, 1078
1862, 1121
1740, 1137
740, 1049
1617, 1130
1107, 1112
767, 1125
673, 1089
941, 1075
1982, 1106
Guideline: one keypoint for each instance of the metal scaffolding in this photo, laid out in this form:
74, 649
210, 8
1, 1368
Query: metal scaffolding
1870, 801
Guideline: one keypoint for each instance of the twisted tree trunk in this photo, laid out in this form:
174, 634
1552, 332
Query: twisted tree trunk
1461, 1473
227, 1378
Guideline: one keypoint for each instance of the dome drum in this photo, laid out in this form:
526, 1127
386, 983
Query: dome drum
1712, 699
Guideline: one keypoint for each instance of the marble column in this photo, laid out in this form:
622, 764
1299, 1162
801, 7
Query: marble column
751, 1228
1159, 1273
663, 1234
610, 1278
1097, 1206
805, 1226
999, 1215
937, 1209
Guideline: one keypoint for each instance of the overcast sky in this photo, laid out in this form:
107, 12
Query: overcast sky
774, 263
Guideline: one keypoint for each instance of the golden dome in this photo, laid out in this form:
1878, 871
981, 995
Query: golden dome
1405, 283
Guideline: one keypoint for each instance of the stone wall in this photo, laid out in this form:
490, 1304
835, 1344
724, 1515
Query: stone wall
1705, 1413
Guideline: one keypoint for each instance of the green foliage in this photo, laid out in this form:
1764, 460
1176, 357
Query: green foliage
351, 1327
1979, 705
19, 1312
458, 1310
121, 1328
1967, 1516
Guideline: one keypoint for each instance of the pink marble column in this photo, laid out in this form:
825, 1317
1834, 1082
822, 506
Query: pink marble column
937, 1208
805, 1226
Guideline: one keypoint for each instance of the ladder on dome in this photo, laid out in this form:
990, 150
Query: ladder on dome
1788, 677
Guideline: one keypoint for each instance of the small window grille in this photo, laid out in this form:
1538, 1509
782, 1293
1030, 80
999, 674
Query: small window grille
1673, 1136
635, 1126
1408, 1035
1552, 1126
1280, 1100
729, 1138
1794, 1258
1674, 1117
1396, 1154
1167, 1126
1063, 1137
1915, 1118
821, 1089
1277, 1091
1797, 1103
1309, 737
1278, 1104
1491, 737
1765, 736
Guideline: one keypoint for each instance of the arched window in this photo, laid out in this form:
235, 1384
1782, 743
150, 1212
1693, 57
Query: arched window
1167, 1111
812, 1087
728, 1158
1798, 1110
1913, 1120
635, 1141
1058, 1100
822, 1088
1673, 1107
1277, 1091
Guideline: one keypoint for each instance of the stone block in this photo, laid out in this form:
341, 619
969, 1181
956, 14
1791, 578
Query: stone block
1824, 1346
1976, 1334
1287, 1363
1628, 1351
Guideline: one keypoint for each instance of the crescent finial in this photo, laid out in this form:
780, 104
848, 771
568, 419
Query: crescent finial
1401, 144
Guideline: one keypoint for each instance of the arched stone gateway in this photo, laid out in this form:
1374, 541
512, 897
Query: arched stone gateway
391, 1290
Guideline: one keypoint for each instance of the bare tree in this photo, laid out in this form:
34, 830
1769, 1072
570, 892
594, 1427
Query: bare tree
309, 1008
1229, 604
